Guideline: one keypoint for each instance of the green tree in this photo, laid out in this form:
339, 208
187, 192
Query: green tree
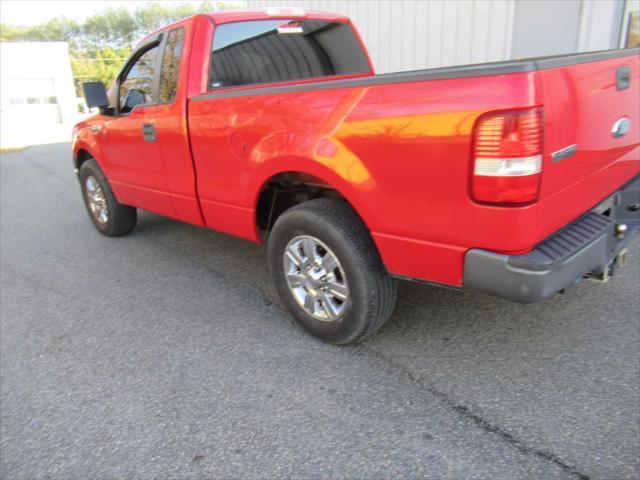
99, 45
10, 33
113, 27
100, 64
55, 30
155, 15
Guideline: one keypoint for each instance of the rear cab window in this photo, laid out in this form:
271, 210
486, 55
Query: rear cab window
267, 51
170, 71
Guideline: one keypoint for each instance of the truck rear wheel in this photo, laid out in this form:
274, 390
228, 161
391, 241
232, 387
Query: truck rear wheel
109, 217
328, 272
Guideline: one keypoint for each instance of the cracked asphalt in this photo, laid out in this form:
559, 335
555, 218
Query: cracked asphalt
167, 354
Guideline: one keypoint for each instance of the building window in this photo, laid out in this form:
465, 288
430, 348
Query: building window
34, 101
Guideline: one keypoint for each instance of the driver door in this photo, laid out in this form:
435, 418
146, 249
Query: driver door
136, 168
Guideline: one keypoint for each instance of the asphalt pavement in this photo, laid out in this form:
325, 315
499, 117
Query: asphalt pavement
167, 354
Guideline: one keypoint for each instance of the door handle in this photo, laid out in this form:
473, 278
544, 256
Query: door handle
623, 77
149, 132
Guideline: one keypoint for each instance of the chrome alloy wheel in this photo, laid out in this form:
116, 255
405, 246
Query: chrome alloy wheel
316, 278
96, 200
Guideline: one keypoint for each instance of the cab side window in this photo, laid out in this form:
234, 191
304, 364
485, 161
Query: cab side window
137, 86
171, 66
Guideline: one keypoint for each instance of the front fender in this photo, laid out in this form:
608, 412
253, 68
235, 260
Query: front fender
85, 138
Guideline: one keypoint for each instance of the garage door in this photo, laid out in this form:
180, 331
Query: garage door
30, 102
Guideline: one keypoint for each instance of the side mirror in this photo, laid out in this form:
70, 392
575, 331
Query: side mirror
95, 94
133, 99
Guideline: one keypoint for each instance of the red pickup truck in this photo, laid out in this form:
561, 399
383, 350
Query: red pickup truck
515, 178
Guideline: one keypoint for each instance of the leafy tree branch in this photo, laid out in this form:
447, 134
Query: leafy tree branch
99, 45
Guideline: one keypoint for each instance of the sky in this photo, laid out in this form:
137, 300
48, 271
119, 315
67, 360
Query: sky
33, 12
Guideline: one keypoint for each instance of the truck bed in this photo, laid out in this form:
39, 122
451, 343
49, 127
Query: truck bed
443, 73
397, 147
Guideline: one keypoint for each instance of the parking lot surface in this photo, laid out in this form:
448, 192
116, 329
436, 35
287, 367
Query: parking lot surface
167, 354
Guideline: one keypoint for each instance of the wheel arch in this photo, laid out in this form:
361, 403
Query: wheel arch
81, 155
285, 188
85, 147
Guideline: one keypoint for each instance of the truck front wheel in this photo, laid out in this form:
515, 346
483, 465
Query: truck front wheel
328, 272
109, 217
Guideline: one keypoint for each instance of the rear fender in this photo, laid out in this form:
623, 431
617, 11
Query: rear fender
322, 156
329, 176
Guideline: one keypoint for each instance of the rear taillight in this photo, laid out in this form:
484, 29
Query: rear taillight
507, 157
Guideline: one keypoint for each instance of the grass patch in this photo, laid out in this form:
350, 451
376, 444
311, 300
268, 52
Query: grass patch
11, 150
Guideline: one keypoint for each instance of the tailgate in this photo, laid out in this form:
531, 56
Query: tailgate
585, 97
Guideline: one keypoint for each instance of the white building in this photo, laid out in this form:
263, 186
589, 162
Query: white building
416, 34
37, 95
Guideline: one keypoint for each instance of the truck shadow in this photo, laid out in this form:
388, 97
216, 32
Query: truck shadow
423, 314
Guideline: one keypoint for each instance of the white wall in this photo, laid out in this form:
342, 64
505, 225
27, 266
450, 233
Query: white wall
553, 27
601, 24
36, 70
416, 34
545, 27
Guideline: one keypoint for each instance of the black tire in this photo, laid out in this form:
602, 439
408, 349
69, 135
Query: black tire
121, 219
372, 291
